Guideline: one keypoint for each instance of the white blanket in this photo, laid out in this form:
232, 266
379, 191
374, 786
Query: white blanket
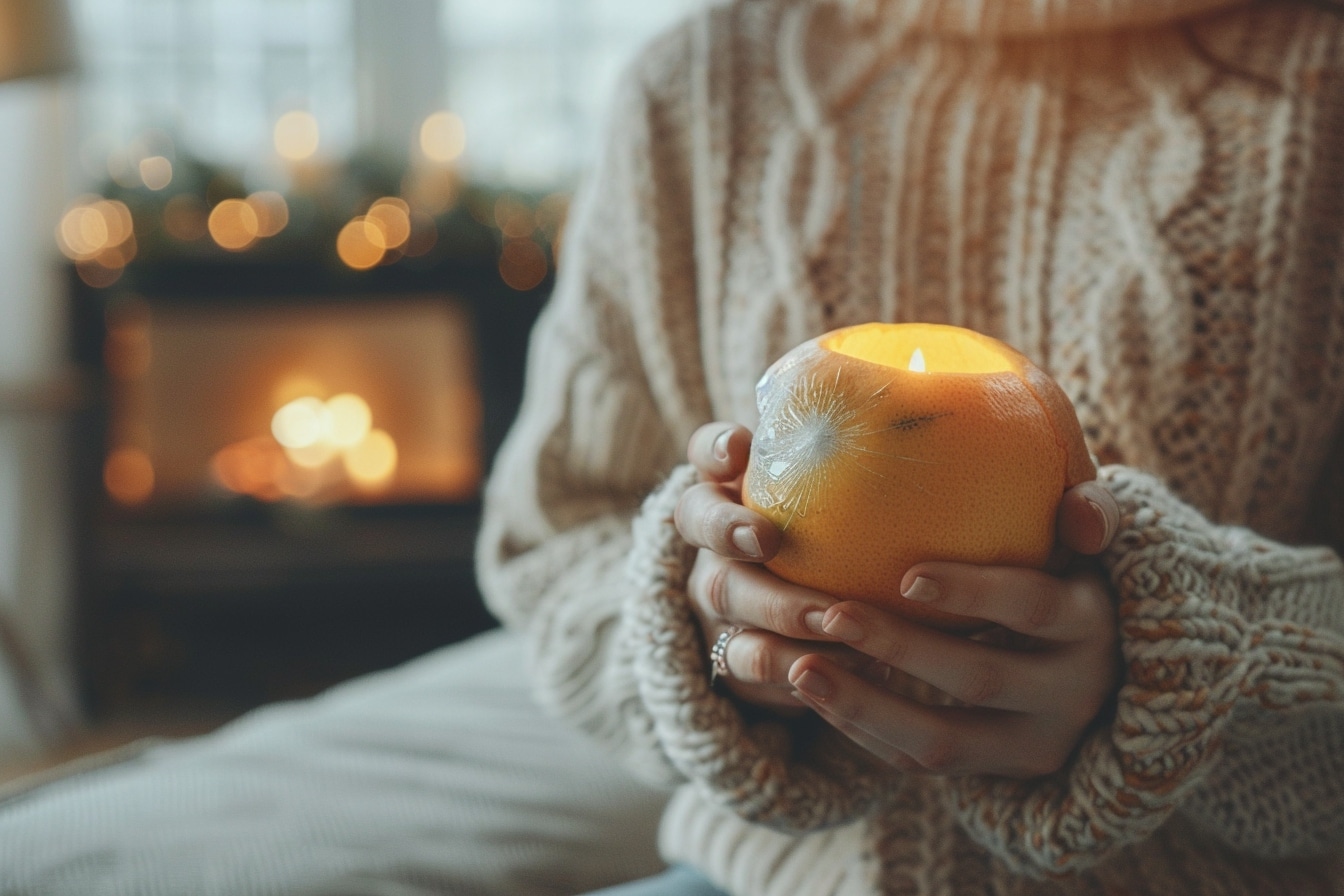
437, 777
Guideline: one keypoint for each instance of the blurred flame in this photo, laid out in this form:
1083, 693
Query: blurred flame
314, 446
917, 361
300, 423
373, 461
347, 421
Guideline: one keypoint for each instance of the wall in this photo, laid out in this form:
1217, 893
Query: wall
34, 547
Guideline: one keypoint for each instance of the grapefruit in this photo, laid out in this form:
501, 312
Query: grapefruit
884, 445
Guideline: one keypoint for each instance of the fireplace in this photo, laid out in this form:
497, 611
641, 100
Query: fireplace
371, 402
279, 467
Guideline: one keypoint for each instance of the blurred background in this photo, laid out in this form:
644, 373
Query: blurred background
267, 272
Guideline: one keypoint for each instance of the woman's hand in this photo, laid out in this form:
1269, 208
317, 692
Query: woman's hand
780, 622
1023, 708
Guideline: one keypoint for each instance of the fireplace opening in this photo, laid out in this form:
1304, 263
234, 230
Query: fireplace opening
368, 403
278, 470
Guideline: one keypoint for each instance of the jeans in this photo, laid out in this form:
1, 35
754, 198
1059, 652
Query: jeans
675, 881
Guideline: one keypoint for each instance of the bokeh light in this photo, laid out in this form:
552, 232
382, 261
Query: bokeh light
522, 264
128, 476
300, 423
156, 172
99, 236
296, 135
271, 210
443, 137
373, 462
390, 220
358, 244
233, 225
348, 419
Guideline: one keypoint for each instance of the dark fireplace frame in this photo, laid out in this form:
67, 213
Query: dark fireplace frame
238, 605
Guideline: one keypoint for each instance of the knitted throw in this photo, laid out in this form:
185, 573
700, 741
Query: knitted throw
1143, 196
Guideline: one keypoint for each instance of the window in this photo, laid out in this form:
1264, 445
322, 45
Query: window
529, 78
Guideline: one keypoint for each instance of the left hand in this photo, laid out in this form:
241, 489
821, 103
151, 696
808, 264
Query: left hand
1023, 709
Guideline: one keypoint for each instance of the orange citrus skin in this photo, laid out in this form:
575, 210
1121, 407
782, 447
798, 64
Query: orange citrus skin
870, 467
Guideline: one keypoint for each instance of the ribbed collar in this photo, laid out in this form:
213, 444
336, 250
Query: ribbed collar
830, 48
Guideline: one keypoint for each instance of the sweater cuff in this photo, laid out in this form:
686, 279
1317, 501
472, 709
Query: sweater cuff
1203, 629
761, 770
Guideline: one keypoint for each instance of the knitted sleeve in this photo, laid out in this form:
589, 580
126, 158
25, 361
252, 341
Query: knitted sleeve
602, 422
1231, 710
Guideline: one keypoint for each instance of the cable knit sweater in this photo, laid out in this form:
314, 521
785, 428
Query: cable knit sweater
1146, 197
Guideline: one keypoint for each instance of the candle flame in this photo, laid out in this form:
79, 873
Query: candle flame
917, 362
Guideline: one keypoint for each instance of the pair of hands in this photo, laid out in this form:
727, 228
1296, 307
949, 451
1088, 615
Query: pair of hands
1021, 708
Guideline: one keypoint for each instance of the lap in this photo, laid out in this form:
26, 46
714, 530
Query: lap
676, 881
440, 776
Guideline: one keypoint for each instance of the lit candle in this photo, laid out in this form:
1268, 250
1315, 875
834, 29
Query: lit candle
884, 445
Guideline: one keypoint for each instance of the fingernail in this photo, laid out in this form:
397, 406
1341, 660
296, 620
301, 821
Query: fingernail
814, 685
923, 589
1106, 532
747, 542
721, 444
843, 626
815, 621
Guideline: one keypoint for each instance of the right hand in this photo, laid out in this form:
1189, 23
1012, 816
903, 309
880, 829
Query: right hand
729, 587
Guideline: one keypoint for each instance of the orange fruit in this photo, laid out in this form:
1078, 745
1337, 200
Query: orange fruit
884, 445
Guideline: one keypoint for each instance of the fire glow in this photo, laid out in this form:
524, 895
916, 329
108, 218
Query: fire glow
316, 448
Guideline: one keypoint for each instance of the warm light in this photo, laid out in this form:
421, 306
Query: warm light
128, 475
389, 220
300, 423
97, 229
373, 461
82, 232
356, 245
96, 275
156, 172
522, 264
348, 420
293, 386
443, 137
233, 225
251, 467
311, 456
271, 210
925, 348
296, 135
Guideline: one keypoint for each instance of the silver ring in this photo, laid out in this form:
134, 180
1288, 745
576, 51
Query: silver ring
718, 654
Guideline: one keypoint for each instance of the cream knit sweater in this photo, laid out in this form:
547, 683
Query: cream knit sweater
1146, 197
